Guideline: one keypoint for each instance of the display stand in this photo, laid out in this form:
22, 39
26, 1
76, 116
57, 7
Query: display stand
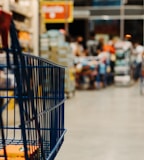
123, 66
26, 19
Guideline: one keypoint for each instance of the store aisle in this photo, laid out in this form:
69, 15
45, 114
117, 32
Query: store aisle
104, 125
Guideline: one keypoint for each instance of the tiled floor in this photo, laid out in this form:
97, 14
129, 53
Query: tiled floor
104, 125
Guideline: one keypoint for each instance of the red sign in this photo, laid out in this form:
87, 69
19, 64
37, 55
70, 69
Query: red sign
57, 11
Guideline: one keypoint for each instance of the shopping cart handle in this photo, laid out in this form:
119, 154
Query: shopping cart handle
5, 21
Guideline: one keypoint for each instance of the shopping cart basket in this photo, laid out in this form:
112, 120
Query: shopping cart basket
31, 103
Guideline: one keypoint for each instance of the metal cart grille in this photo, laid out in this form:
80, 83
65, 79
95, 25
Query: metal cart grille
31, 105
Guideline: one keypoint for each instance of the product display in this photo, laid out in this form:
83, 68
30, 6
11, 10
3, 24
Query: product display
122, 65
22, 16
54, 47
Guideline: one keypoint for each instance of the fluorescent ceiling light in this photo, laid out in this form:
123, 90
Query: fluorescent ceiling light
106, 17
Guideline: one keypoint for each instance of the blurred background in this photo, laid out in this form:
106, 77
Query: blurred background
101, 44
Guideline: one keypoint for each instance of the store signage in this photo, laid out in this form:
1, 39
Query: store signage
57, 11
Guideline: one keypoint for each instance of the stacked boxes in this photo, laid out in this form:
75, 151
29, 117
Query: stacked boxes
60, 52
44, 46
122, 67
62, 55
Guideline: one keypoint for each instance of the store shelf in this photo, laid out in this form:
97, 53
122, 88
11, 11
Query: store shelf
20, 26
23, 17
122, 65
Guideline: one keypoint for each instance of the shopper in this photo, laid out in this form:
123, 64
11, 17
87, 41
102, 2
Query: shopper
77, 46
100, 45
92, 45
138, 51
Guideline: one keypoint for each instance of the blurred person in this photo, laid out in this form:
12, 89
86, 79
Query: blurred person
138, 51
100, 45
102, 73
86, 73
127, 42
104, 60
110, 48
77, 46
92, 45
82, 67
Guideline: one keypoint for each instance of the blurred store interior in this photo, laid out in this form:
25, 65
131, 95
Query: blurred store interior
101, 45
50, 29
112, 17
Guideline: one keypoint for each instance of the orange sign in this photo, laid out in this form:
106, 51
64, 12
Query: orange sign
57, 11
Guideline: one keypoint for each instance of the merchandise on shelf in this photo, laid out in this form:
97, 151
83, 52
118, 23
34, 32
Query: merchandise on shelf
54, 47
44, 46
23, 19
123, 64
25, 40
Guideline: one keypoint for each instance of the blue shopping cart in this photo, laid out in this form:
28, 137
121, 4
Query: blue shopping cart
31, 102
